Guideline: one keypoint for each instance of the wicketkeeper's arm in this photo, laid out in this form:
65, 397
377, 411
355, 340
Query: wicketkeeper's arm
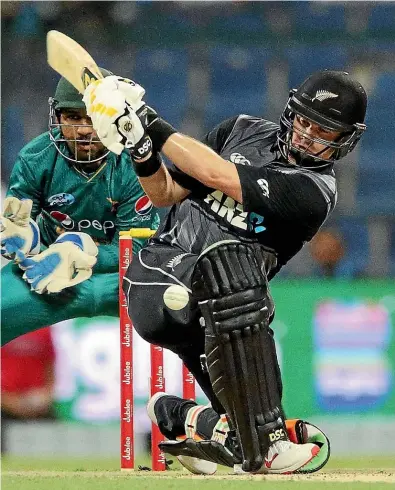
25, 184
65, 263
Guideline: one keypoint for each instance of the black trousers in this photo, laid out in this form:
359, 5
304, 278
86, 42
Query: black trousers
151, 272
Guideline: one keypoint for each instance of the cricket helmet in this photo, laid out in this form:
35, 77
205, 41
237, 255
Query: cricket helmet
67, 97
334, 101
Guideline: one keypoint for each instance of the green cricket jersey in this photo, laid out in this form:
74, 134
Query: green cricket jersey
64, 199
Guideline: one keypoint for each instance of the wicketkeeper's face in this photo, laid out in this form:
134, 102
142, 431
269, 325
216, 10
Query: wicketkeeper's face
309, 137
82, 140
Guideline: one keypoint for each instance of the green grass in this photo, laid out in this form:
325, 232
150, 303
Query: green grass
362, 463
75, 464
155, 484
84, 474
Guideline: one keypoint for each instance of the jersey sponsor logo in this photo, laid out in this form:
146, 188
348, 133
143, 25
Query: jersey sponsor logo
239, 159
68, 223
226, 207
264, 185
231, 210
255, 222
143, 206
139, 219
61, 199
64, 219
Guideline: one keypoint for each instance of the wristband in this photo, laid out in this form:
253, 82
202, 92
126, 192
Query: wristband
149, 167
160, 131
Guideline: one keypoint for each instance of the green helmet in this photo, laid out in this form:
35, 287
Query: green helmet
66, 96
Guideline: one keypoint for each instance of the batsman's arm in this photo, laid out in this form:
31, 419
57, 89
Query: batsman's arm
137, 126
160, 187
174, 183
199, 161
202, 163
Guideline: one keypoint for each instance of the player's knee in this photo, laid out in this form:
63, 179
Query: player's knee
147, 321
228, 274
149, 318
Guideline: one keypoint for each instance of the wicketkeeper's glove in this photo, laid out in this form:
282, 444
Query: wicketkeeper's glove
65, 263
19, 234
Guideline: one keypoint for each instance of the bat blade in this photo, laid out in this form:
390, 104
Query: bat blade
71, 60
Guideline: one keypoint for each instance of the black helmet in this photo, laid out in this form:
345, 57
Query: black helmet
334, 101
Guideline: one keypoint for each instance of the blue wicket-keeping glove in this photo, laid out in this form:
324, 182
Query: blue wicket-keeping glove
65, 263
19, 234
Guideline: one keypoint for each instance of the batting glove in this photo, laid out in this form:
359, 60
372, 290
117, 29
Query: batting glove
19, 234
111, 103
67, 262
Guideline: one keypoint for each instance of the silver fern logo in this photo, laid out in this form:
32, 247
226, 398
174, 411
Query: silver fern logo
323, 95
176, 261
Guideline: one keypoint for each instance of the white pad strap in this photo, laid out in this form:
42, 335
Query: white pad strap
221, 429
191, 421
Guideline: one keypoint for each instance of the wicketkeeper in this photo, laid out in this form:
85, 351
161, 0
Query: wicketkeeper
67, 200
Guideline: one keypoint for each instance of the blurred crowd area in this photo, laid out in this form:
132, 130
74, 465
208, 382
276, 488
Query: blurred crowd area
201, 62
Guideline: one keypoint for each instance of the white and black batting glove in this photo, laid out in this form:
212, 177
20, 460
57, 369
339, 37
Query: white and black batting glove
112, 103
133, 129
143, 149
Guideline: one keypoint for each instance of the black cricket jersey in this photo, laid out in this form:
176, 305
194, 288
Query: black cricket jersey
283, 205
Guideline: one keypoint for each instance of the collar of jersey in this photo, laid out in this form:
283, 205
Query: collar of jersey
91, 176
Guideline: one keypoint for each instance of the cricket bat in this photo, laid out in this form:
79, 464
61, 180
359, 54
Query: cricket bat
71, 60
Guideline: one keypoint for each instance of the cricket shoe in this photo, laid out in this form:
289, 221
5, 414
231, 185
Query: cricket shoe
159, 406
285, 457
201, 456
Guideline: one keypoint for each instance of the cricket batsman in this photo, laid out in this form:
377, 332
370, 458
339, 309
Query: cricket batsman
244, 202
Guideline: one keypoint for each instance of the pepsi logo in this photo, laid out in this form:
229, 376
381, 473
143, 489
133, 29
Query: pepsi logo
143, 206
64, 219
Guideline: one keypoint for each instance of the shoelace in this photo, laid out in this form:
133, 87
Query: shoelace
278, 447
